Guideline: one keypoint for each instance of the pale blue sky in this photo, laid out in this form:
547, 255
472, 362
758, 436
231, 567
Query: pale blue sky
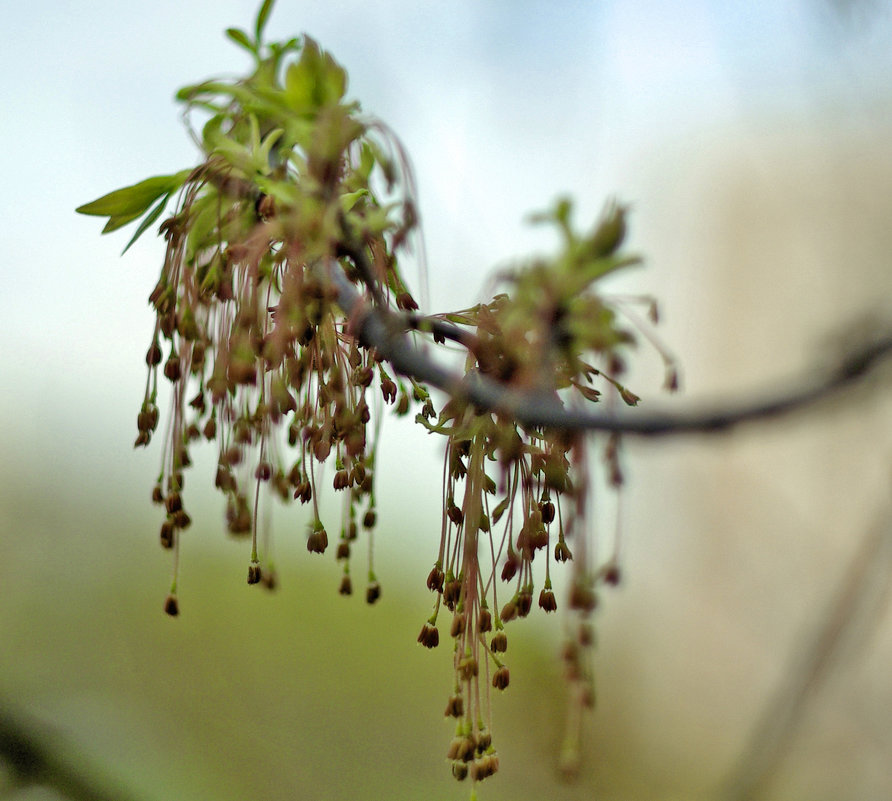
502, 105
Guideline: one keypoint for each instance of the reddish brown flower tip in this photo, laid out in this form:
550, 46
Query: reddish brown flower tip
406, 302
499, 643
167, 534
455, 707
372, 592
547, 512
346, 587
501, 678
612, 574
460, 770
171, 607
435, 579
317, 542
254, 573
153, 355
562, 552
458, 624
510, 568
547, 601
429, 636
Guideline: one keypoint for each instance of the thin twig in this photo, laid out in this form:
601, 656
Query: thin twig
381, 328
773, 733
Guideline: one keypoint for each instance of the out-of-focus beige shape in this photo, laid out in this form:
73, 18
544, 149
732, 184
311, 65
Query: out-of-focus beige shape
742, 660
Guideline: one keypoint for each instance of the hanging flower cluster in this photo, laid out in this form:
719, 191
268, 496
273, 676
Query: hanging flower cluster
297, 192
512, 492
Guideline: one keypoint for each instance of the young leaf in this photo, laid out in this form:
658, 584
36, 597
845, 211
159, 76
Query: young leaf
153, 215
241, 38
117, 221
262, 16
131, 201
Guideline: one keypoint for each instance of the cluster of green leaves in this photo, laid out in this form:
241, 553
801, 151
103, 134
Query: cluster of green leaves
283, 132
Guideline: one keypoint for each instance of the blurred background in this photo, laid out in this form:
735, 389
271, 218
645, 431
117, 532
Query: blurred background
746, 655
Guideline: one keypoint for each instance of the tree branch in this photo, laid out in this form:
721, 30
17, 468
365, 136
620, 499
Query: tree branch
381, 328
34, 757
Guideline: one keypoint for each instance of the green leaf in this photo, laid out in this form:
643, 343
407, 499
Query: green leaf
118, 221
132, 201
262, 16
153, 215
241, 38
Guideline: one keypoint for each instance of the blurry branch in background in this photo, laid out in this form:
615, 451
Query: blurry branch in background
33, 757
862, 593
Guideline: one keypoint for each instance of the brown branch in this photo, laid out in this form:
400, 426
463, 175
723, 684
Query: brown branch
381, 328
36, 758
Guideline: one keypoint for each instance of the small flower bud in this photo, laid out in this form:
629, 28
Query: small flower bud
630, 398
455, 708
343, 551
547, 512
524, 603
341, 480
346, 587
501, 678
612, 575
435, 579
317, 542
509, 610
368, 520
467, 668
167, 534
174, 502
510, 567
499, 643
583, 598
372, 592
171, 607
172, 368
254, 573
153, 355
429, 636
484, 621
406, 302
562, 552
181, 519
547, 601
451, 593
388, 390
